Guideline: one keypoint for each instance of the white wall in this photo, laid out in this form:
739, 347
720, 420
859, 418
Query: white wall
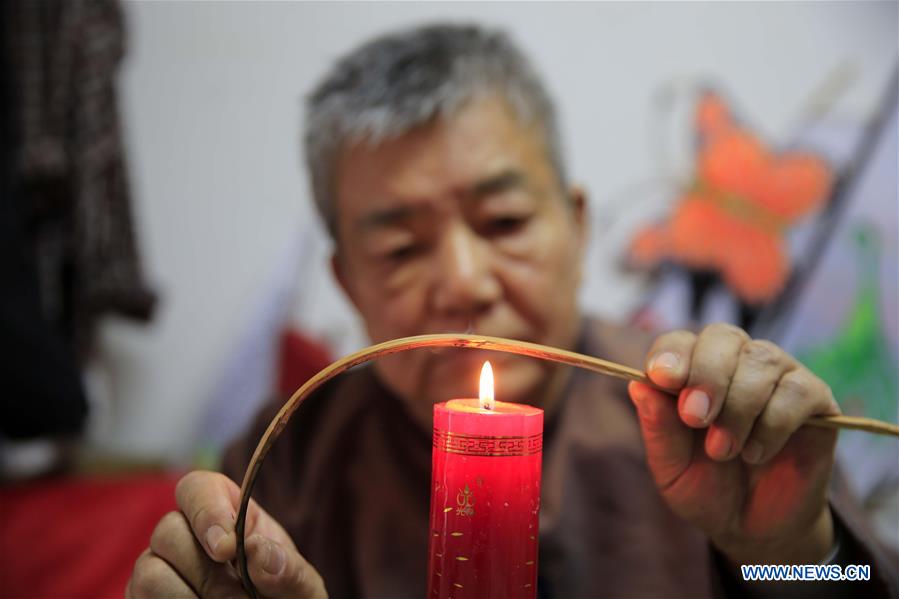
212, 101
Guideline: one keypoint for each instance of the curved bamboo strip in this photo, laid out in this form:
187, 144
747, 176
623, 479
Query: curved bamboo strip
523, 348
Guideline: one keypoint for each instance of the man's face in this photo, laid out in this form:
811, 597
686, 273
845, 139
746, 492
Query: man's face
460, 226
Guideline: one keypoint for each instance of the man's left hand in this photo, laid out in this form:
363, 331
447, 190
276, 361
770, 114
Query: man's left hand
730, 454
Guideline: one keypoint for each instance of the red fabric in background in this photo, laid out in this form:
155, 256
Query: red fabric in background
299, 360
78, 537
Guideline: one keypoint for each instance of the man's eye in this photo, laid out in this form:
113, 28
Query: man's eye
506, 224
403, 252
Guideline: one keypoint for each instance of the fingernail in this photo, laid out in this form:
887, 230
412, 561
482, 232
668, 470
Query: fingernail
719, 444
275, 559
666, 360
214, 536
697, 404
752, 453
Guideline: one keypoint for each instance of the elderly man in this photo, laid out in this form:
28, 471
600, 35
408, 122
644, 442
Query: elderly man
435, 161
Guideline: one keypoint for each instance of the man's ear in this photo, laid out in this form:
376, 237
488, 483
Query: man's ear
338, 269
577, 195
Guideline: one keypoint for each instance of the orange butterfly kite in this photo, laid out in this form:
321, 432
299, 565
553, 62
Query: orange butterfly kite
733, 217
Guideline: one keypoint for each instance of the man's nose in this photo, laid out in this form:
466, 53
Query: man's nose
465, 282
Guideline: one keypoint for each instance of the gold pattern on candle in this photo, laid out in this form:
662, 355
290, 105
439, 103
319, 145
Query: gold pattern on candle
464, 502
455, 534
461, 558
487, 445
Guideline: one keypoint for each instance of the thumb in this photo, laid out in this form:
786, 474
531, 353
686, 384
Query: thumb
281, 572
668, 441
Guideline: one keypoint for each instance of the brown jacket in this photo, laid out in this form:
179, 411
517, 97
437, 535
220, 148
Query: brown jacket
349, 479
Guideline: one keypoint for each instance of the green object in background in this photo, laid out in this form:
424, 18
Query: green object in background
208, 457
858, 363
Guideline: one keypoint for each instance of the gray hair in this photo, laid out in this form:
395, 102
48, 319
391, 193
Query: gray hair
401, 80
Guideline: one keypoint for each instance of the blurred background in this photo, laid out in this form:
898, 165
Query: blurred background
181, 187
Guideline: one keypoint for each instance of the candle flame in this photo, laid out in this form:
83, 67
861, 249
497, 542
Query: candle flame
486, 395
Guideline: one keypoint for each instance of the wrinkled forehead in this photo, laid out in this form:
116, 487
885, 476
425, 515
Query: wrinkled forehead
481, 142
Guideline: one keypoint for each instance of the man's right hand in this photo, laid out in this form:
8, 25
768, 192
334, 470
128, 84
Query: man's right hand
191, 550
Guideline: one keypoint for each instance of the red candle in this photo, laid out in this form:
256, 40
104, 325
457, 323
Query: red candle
485, 498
